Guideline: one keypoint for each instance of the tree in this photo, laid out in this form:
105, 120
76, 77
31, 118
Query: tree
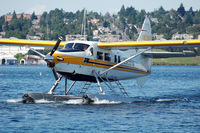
122, 11
181, 10
191, 12
14, 16
188, 20
161, 10
33, 16
2, 22
106, 24
19, 56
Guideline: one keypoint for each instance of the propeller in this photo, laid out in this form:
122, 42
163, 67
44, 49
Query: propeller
56, 46
49, 58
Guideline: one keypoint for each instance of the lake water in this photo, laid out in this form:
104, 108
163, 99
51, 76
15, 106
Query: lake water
168, 102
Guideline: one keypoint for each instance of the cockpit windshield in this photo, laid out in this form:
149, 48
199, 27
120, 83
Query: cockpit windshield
76, 46
69, 46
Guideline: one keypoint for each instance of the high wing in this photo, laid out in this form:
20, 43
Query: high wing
156, 45
144, 41
30, 43
152, 44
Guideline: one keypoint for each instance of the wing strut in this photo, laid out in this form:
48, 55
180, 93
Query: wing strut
124, 61
66, 92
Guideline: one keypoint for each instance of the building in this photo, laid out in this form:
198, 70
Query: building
155, 20
177, 36
107, 38
157, 37
13, 50
7, 60
33, 37
7, 54
198, 37
9, 17
76, 37
94, 21
32, 60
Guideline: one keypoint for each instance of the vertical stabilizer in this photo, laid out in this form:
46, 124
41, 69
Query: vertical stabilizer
145, 34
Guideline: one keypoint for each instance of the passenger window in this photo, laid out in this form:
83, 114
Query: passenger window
115, 60
99, 55
107, 57
91, 51
119, 59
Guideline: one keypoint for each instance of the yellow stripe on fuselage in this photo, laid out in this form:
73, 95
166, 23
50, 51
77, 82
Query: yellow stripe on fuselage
94, 63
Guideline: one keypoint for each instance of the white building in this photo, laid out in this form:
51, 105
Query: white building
13, 50
7, 60
177, 36
32, 60
7, 53
75, 37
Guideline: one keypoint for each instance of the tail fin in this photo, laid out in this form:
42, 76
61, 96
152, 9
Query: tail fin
145, 34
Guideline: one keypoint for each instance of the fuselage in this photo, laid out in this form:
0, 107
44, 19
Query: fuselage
78, 61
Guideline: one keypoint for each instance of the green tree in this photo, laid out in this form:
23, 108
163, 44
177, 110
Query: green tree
191, 12
19, 56
2, 23
33, 16
181, 10
106, 24
122, 11
14, 16
188, 20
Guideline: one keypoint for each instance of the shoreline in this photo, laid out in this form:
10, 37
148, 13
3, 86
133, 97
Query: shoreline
185, 61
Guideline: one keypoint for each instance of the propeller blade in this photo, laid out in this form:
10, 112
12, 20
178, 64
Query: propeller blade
49, 58
56, 46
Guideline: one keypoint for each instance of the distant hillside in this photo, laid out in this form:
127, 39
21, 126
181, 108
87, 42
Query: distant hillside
126, 23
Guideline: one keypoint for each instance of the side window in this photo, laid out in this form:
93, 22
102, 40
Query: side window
69, 45
81, 47
99, 55
107, 57
119, 59
115, 59
91, 51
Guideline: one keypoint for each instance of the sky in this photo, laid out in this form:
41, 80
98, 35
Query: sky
100, 6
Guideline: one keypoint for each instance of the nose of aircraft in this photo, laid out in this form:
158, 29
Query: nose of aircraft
49, 58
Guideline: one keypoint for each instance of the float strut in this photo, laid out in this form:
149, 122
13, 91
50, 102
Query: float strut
65, 86
98, 83
55, 85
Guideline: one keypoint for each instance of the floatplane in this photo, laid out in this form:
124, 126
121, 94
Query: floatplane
101, 62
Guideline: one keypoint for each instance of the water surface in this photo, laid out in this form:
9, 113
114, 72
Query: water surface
168, 102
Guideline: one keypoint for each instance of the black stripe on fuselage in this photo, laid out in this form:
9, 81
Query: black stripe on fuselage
80, 77
87, 60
